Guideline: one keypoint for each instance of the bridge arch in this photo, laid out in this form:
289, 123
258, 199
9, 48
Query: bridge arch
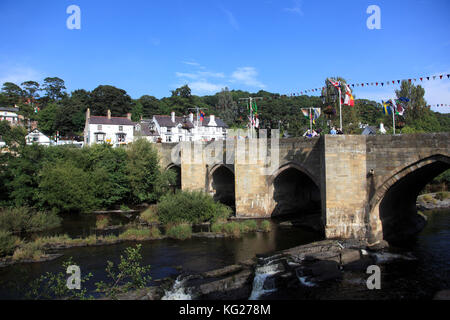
295, 194
393, 206
221, 184
177, 170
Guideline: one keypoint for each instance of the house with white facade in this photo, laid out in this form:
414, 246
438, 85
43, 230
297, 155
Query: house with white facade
116, 131
171, 128
11, 115
37, 137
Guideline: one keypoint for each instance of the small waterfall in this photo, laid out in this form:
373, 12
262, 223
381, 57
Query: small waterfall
261, 274
178, 291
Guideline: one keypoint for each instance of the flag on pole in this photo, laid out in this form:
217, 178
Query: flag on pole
348, 99
317, 112
386, 107
305, 113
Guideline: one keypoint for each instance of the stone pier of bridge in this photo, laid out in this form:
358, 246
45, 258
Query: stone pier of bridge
362, 187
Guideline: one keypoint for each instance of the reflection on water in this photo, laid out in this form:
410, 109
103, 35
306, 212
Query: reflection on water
402, 279
165, 256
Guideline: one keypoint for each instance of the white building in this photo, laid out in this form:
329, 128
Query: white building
116, 131
175, 129
37, 137
11, 115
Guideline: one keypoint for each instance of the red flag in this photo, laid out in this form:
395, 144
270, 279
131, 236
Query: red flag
409, 80
440, 76
393, 81
376, 83
421, 79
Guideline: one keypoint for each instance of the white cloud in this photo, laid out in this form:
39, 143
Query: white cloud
231, 19
187, 75
246, 76
192, 63
206, 81
205, 87
296, 9
18, 74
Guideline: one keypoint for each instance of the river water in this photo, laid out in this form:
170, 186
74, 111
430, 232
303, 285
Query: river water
411, 279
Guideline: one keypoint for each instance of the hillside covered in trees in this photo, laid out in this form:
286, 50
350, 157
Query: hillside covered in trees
57, 110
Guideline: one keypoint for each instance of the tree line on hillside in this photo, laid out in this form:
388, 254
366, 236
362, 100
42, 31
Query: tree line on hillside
57, 110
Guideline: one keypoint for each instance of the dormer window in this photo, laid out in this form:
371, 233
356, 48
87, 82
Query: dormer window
120, 128
99, 127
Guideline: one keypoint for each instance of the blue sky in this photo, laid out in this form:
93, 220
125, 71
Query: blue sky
152, 47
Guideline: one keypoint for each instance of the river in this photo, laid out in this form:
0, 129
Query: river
411, 279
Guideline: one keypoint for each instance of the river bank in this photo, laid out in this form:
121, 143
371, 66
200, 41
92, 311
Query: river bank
433, 201
327, 269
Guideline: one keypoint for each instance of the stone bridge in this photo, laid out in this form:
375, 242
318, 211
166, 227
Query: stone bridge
362, 187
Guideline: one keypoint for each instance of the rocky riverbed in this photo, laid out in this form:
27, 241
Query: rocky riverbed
294, 269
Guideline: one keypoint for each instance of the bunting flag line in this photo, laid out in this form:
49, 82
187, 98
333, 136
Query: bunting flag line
336, 84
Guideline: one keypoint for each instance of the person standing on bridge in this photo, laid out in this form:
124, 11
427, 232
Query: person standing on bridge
333, 131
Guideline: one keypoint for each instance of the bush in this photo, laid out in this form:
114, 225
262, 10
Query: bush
102, 222
29, 251
140, 234
248, 226
147, 182
265, 226
65, 188
442, 195
7, 243
232, 229
27, 220
150, 215
190, 206
180, 231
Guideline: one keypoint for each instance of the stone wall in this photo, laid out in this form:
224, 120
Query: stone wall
352, 172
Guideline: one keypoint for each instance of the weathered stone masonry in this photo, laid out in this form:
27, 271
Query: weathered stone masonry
353, 173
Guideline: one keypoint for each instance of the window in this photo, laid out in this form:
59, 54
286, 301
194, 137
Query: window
99, 127
121, 137
169, 139
100, 137
120, 128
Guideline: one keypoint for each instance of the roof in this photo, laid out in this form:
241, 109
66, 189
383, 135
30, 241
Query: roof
145, 129
369, 130
9, 109
122, 121
219, 122
166, 121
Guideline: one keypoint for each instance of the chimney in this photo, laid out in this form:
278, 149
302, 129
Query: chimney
191, 117
129, 116
212, 121
88, 113
142, 117
109, 114
172, 116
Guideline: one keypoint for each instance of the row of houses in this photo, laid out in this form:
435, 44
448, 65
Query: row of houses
119, 131
161, 128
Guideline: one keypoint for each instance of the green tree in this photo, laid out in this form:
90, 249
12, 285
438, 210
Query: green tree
54, 88
147, 182
30, 89
47, 118
227, 108
13, 93
415, 94
106, 97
